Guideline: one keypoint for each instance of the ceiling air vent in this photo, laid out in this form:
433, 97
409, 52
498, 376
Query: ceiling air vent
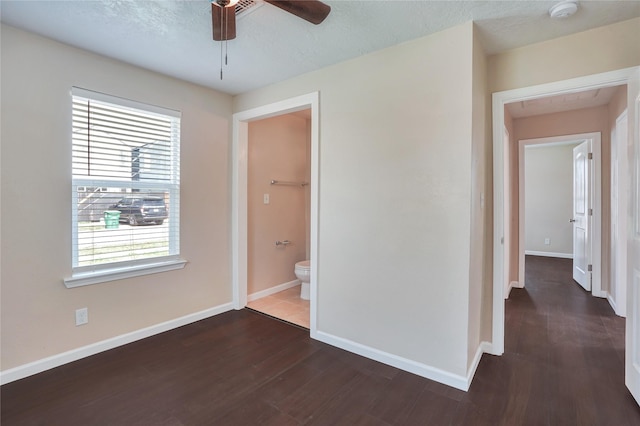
244, 7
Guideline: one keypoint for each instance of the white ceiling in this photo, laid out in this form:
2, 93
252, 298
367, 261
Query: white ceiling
174, 37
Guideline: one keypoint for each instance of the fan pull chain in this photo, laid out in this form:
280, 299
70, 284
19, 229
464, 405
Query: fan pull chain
225, 24
225, 27
226, 33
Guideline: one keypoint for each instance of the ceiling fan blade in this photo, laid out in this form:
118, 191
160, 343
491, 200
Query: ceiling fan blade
224, 22
313, 11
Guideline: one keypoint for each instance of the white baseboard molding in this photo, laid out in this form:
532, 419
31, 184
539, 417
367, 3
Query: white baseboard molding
48, 363
272, 290
427, 371
549, 254
614, 305
487, 348
601, 294
484, 347
512, 284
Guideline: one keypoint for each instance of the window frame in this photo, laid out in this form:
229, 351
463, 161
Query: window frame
103, 272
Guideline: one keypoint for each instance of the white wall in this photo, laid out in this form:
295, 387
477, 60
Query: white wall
37, 310
548, 199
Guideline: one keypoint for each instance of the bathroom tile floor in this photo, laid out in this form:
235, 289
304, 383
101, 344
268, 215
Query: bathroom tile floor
286, 305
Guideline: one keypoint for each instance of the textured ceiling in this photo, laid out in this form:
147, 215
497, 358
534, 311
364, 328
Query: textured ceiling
174, 37
560, 103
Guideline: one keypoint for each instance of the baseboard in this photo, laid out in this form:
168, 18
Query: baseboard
487, 348
601, 294
484, 347
549, 254
612, 303
272, 290
48, 363
512, 285
426, 371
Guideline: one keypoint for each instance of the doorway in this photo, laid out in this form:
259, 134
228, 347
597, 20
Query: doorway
240, 234
546, 205
502, 223
631, 79
278, 156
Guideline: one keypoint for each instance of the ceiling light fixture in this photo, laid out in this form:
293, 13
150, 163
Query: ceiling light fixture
563, 10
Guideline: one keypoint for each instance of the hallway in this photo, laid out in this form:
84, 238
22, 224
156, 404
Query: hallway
564, 356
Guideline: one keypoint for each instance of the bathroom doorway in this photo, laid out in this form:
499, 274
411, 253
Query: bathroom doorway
254, 277
278, 219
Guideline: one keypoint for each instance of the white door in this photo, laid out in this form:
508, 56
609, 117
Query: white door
581, 191
632, 341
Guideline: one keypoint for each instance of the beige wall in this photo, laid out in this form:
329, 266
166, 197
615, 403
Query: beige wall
394, 196
480, 270
398, 144
599, 50
37, 309
278, 149
548, 175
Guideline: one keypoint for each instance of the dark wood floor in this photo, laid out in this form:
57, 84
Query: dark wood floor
563, 365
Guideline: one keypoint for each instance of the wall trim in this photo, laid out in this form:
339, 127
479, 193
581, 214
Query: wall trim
548, 254
48, 363
612, 302
487, 348
450, 379
272, 290
483, 347
512, 284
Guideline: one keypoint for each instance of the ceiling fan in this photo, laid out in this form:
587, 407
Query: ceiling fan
223, 14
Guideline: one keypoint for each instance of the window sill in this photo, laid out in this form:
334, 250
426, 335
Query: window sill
104, 275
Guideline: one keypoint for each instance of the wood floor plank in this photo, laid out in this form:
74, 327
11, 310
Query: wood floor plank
399, 398
563, 365
348, 406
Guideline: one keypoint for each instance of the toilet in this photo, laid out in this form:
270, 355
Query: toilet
303, 272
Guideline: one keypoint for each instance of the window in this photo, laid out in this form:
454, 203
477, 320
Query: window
125, 188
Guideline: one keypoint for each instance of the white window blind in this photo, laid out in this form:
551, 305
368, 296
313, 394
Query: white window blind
126, 183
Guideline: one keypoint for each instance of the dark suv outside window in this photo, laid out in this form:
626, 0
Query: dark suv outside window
141, 210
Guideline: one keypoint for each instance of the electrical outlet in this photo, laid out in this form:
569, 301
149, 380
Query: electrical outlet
82, 316
547, 241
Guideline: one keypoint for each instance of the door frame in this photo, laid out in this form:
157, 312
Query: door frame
239, 170
499, 100
619, 172
596, 203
